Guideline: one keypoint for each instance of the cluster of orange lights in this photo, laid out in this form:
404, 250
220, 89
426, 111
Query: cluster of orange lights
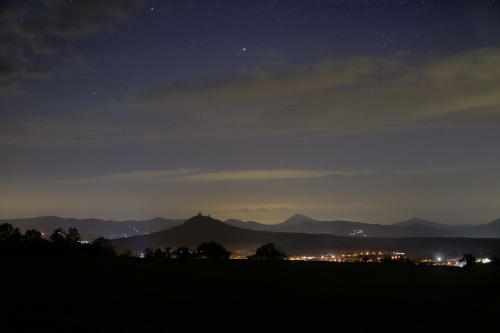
366, 256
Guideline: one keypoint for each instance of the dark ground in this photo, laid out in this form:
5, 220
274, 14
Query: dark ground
127, 295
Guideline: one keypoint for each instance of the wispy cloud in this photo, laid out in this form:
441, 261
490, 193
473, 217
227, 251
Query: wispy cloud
335, 97
197, 175
356, 93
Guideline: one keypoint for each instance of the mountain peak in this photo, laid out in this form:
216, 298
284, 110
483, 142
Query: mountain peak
201, 219
495, 222
298, 219
416, 220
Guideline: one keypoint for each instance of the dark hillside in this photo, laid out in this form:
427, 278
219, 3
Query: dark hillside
133, 295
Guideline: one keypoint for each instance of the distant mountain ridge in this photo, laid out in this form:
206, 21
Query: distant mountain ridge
297, 223
92, 228
414, 227
252, 225
200, 229
431, 224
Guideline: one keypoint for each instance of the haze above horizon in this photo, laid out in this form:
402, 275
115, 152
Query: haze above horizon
340, 110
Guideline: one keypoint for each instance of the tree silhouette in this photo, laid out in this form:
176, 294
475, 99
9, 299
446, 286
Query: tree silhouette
10, 239
32, 235
182, 252
103, 247
168, 252
73, 236
9, 234
268, 252
148, 253
159, 254
212, 250
61, 236
469, 259
58, 236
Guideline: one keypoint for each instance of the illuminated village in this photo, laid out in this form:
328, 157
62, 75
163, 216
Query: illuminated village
388, 257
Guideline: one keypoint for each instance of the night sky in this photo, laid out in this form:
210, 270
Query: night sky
371, 111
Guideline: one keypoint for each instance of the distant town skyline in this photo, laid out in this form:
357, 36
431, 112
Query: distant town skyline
352, 110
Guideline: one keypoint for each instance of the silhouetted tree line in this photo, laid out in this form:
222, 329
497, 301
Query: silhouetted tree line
60, 243
68, 243
268, 251
212, 250
206, 250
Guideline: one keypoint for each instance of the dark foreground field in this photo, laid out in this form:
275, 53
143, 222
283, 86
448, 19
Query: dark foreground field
125, 295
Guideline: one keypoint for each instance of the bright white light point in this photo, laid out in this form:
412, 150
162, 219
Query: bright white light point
439, 258
244, 49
